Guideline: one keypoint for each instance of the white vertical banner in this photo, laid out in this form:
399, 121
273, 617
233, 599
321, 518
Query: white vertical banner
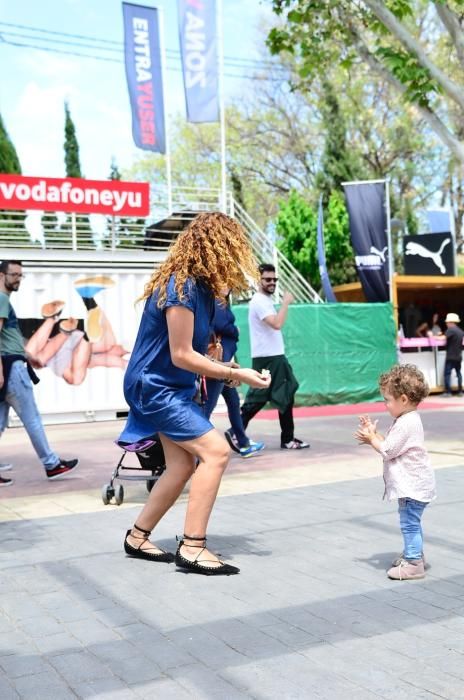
198, 47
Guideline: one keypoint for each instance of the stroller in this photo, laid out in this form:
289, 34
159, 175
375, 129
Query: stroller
150, 455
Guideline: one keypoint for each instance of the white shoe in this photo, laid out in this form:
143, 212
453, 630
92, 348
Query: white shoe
5, 467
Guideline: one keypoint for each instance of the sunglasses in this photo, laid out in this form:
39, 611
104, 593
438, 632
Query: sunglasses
269, 279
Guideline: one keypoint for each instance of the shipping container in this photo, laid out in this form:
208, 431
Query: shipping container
83, 379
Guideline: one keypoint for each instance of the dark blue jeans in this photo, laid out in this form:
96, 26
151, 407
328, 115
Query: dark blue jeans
410, 522
232, 399
213, 390
449, 366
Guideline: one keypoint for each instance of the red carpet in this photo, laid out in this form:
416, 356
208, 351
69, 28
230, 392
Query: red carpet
350, 409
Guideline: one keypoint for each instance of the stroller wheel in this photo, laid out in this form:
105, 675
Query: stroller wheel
118, 494
107, 494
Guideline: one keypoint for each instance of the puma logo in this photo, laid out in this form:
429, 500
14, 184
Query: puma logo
380, 253
418, 249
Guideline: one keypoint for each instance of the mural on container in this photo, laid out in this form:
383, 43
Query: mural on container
71, 346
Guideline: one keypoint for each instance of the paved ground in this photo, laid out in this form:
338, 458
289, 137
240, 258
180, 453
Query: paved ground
312, 614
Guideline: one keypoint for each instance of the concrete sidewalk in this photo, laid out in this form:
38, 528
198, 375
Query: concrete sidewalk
311, 615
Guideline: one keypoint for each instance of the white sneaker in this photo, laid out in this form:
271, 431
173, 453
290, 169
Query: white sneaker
5, 467
295, 444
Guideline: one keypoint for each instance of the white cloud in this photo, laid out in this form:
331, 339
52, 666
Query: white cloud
39, 118
49, 65
36, 102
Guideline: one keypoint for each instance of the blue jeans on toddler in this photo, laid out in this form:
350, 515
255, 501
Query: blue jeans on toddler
410, 522
20, 396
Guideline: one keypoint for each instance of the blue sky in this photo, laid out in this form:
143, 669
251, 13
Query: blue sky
35, 83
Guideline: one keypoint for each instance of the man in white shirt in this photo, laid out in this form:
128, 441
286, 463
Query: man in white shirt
268, 352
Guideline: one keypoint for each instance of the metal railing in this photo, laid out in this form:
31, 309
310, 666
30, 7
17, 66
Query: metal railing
266, 251
22, 230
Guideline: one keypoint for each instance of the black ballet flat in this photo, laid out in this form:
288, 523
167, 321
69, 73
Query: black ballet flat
138, 553
197, 567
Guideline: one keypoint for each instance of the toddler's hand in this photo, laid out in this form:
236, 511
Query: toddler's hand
362, 435
366, 421
366, 433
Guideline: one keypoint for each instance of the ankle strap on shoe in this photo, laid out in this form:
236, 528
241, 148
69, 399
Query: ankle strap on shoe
190, 538
147, 533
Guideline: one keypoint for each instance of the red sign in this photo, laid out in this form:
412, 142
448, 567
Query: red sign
111, 197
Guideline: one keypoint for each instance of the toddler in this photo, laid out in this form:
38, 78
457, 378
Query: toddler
407, 472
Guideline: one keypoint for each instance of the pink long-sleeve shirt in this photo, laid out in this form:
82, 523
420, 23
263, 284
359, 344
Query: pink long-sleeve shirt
407, 471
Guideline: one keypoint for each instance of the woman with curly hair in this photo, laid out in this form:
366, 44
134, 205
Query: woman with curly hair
163, 380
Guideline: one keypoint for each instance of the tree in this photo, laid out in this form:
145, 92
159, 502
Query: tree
12, 223
61, 237
237, 188
343, 128
123, 232
71, 146
296, 228
396, 39
338, 250
339, 130
281, 139
339, 163
9, 161
115, 173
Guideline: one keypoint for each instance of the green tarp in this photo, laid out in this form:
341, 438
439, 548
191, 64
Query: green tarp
337, 351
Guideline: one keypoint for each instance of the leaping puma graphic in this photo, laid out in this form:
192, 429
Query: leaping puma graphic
381, 253
413, 248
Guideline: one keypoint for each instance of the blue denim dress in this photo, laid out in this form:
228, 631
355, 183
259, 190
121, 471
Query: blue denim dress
160, 395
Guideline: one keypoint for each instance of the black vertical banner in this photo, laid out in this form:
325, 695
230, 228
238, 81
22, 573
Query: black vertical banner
365, 202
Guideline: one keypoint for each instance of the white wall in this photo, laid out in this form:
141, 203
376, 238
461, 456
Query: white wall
100, 396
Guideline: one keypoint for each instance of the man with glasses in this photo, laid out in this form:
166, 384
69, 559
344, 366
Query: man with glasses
268, 352
16, 376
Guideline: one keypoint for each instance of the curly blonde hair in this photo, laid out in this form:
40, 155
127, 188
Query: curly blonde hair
407, 380
214, 249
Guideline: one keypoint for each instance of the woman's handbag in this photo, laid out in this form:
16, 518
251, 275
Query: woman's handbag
215, 350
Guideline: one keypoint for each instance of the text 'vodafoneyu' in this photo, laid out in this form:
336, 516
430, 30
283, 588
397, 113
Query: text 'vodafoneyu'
111, 197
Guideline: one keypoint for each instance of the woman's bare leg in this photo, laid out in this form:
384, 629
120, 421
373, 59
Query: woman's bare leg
107, 359
75, 374
38, 340
180, 465
213, 452
51, 348
108, 339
